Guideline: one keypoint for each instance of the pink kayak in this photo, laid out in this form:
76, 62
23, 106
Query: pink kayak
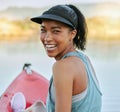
33, 85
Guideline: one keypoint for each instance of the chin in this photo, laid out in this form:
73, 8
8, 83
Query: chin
51, 55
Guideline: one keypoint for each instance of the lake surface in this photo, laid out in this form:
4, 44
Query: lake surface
105, 57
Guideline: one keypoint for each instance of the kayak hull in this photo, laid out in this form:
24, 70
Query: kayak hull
34, 87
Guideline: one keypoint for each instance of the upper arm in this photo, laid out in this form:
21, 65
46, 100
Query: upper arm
63, 84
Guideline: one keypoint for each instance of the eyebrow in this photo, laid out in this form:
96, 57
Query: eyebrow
54, 27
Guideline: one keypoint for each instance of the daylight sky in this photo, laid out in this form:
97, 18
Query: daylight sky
42, 3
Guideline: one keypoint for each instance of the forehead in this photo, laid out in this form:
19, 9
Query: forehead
48, 23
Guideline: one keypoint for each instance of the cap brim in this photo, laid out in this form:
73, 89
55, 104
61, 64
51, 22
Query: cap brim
50, 17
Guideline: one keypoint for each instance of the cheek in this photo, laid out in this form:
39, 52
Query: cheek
41, 38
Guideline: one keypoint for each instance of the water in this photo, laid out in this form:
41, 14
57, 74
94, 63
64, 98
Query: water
106, 60
104, 56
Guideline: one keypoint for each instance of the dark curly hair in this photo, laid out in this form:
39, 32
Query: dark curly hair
80, 38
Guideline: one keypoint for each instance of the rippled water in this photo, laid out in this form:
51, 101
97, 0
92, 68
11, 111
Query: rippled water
104, 56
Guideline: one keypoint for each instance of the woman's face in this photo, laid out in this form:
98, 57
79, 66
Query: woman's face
57, 38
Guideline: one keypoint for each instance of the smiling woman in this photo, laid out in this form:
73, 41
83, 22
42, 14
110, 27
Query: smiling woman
54, 37
73, 83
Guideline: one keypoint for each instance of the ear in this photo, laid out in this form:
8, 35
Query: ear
73, 34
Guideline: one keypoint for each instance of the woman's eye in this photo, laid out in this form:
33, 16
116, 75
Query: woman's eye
43, 30
56, 31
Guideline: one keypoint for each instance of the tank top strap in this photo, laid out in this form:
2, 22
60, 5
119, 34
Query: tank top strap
75, 53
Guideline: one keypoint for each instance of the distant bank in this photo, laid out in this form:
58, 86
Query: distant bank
103, 21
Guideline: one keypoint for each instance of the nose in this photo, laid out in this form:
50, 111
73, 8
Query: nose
48, 37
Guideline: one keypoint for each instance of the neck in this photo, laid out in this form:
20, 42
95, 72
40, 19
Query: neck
71, 49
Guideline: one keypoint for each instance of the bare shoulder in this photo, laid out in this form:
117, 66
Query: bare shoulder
61, 70
68, 66
70, 72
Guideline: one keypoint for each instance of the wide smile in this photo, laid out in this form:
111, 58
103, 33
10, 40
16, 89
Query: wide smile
50, 47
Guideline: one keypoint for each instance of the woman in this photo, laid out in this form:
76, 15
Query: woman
73, 86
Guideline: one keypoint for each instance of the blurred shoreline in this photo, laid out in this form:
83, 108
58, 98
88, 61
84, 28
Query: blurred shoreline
99, 28
103, 20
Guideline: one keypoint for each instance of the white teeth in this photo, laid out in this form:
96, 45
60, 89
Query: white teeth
50, 46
